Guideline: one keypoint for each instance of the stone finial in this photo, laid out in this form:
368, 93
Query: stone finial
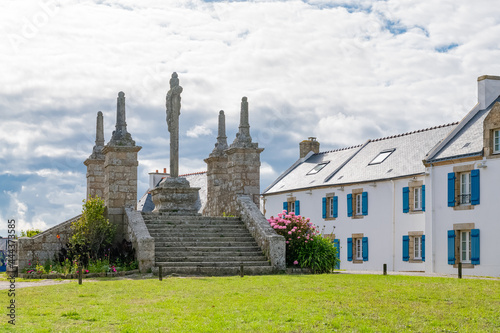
221, 144
120, 135
243, 138
99, 138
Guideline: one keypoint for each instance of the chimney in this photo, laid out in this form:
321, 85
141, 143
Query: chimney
488, 89
309, 145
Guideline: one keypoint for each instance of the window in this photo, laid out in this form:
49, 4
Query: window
414, 197
382, 156
357, 203
417, 247
357, 248
292, 205
317, 168
496, 141
330, 206
417, 198
465, 188
463, 245
414, 247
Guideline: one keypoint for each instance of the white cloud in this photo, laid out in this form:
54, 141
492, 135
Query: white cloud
197, 131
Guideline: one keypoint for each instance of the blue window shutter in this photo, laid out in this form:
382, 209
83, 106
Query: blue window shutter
451, 189
335, 206
297, 207
365, 248
423, 246
406, 248
336, 242
474, 234
474, 179
406, 199
423, 203
451, 247
285, 206
349, 204
349, 249
324, 207
364, 208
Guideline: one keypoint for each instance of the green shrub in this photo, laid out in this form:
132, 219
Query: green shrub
319, 254
92, 233
30, 232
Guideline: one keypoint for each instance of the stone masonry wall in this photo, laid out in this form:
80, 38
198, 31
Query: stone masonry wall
95, 177
43, 246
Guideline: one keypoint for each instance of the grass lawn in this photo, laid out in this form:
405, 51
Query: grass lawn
279, 303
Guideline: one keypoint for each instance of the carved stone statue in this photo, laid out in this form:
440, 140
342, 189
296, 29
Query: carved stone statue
173, 113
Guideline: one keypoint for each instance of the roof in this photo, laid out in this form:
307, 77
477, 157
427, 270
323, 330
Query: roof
354, 164
467, 141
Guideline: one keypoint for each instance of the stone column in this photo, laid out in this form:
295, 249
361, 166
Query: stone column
217, 175
95, 163
120, 171
243, 164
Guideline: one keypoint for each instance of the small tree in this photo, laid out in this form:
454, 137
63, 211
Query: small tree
92, 233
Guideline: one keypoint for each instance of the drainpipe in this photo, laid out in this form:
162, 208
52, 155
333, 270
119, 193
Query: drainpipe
393, 225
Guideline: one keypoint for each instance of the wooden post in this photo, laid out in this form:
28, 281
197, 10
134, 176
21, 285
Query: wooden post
241, 270
160, 273
80, 274
385, 269
459, 270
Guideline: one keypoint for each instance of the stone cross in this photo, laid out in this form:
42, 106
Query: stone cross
173, 112
221, 144
243, 138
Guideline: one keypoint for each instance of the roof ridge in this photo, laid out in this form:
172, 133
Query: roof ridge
416, 131
193, 173
339, 149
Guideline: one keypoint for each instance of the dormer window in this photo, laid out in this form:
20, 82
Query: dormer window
317, 168
382, 156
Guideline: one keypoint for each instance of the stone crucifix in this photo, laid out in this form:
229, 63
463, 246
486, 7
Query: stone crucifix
173, 113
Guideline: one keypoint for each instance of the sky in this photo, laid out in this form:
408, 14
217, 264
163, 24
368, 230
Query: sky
341, 71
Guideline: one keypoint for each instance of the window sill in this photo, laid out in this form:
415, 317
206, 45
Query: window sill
416, 211
357, 216
357, 261
330, 218
416, 261
464, 265
463, 207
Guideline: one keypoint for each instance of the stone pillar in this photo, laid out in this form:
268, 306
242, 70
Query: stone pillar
308, 145
95, 163
217, 176
243, 165
120, 171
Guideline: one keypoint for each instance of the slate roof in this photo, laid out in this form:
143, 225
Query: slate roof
197, 179
352, 165
468, 140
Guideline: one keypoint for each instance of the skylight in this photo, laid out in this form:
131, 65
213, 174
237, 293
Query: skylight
317, 168
382, 156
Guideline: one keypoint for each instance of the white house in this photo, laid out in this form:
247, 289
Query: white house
389, 200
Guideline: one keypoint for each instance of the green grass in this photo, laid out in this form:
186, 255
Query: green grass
280, 303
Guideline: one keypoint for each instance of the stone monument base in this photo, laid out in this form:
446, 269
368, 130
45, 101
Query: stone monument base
176, 197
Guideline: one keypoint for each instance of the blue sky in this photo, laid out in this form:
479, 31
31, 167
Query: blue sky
343, 71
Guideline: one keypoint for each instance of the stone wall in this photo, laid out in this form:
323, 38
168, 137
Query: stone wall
43, 246
272, 244
143, 243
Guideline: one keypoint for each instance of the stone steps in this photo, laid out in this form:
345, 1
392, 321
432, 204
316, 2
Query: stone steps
198, 245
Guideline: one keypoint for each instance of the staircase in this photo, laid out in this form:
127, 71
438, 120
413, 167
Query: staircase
207, 246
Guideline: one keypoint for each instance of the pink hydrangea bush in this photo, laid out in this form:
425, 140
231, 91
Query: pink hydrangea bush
297, 231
